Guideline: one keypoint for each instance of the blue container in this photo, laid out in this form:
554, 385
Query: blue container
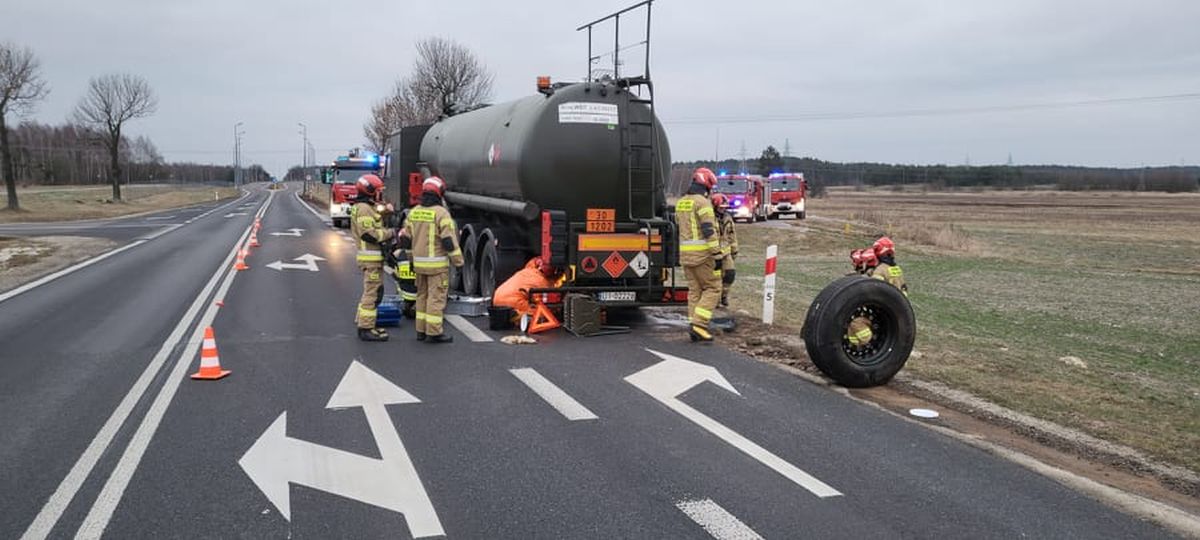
388, 312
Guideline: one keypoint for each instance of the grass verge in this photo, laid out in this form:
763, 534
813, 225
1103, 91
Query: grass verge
90, 202
1075, 308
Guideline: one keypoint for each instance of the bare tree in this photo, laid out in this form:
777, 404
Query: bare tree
20, 87
112, 100
447, 74
447, 77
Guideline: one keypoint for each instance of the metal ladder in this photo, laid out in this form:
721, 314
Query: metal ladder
638, 145
639, 134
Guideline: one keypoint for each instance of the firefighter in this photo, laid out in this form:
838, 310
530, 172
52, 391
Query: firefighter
885, 250
729, 244
514, 292
366, 224
857, 261
869, 261
430, 234
700, 252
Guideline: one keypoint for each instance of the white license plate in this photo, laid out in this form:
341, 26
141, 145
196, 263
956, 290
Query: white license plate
618, 296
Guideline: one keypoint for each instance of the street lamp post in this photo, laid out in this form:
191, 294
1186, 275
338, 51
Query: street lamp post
304, 155
237, 152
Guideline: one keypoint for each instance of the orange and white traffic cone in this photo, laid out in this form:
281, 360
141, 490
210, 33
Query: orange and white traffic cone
210, 365
257, 224
241, 260
254, 238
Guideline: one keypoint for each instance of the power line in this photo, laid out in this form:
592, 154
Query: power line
946, 111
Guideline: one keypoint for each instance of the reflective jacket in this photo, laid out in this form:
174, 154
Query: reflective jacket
434, 239
729, 243
698, 240
892, 274
366, 224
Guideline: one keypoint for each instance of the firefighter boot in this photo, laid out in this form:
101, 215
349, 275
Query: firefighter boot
420, 336
372, 334
700, 333
441, 338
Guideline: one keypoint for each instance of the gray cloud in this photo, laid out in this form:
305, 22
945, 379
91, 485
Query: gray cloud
273, 64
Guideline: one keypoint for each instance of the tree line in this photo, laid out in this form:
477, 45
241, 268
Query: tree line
67, 154
93, 146
821, 174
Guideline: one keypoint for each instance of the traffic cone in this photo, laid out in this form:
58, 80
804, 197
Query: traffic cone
241, 260
210, 365
254, 238
543, 320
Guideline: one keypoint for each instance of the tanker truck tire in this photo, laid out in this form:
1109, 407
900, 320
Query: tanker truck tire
827, 337
489, 260
469, 243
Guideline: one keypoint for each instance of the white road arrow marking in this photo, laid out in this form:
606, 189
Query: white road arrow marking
310, 263
276, 460
294, 232
666, 380
232, 214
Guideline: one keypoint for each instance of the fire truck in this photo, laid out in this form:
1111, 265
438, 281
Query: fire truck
341, 176
749, 196
788, 192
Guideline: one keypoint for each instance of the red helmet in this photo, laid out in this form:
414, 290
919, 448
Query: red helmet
856, 257
868, 258
435, 185
369, 185
884, 247
705, 177
720, 199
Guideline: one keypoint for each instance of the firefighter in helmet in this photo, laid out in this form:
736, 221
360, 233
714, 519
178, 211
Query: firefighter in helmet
366, 224
857, 261
700, 252
729, 244
430, 233
887, 270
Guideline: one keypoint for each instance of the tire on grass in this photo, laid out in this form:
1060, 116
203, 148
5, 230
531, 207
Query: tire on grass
892, 323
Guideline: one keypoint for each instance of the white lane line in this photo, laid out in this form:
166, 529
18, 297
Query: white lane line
69, 487
324, 219
717, 521
47, 279
114, 489
468, 329
160, 217
561, 401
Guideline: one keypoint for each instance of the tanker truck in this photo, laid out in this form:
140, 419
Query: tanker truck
573, 174
576, 175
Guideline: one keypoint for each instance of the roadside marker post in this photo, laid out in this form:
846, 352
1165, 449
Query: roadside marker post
768, 312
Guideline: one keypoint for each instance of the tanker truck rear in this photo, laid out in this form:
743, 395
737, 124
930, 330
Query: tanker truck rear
573, 175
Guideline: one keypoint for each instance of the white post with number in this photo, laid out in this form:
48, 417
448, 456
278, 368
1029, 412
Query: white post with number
768, 313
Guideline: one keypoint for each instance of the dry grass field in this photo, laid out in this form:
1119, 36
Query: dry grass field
92, 202
1080, 308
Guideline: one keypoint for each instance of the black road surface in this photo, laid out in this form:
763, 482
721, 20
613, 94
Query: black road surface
495, 459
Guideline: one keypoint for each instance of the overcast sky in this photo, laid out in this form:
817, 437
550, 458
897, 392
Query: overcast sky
272, 64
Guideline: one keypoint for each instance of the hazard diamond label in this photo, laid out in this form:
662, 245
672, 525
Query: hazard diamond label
615, 264
640, 264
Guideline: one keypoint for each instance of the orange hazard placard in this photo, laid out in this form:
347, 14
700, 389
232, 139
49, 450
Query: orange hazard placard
601, 214
601, 226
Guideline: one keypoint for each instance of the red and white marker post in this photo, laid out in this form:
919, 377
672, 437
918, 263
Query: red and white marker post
768, 314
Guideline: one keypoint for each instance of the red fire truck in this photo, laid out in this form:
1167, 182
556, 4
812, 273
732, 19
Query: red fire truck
749, 196
341, 176
788, 191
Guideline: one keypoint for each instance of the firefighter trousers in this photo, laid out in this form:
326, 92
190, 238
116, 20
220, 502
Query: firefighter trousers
704, 291
431, 302
371, 296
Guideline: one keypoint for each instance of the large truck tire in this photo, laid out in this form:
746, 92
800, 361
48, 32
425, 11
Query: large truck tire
827, 337
469, 244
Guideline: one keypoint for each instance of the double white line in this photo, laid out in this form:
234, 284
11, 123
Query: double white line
114, 488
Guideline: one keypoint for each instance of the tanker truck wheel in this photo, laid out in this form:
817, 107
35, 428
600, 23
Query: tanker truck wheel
470, 269
833, 331
489, 260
